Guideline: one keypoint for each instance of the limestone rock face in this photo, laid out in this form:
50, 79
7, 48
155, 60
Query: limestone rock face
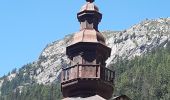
51, 60
139, 39
1, 82
135, 41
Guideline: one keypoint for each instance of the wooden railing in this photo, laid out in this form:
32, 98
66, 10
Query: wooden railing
108, 75
88, 72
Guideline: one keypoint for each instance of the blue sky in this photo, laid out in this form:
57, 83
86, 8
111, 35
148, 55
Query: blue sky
27, 26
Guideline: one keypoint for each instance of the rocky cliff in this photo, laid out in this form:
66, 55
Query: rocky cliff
135, 41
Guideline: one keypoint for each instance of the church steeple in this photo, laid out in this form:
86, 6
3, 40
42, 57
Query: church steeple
87, 74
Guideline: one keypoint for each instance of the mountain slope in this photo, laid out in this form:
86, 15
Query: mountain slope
146, 77
129, 43
138, 40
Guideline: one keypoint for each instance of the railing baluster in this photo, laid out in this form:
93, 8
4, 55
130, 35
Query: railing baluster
63, 73
77, 71
68, 74
96, 71
110, 76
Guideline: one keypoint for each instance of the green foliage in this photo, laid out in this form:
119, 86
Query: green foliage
35, 92
22, 87
145, 78
21, 78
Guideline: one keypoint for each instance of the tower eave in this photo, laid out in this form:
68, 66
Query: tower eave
84, 45
80, 15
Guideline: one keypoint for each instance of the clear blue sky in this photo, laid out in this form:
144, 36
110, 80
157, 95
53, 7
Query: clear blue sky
27, 26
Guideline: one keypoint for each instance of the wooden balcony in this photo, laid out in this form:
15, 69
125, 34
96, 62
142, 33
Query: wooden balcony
87, 80
91, 72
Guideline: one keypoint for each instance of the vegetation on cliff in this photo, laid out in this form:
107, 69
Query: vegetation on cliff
146, 77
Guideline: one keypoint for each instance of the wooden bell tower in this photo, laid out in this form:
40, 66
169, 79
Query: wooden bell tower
87, 74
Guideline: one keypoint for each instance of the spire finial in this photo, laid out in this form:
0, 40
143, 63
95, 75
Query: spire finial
90, 1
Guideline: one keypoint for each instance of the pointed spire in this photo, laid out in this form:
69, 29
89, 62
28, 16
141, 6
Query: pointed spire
90, 1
